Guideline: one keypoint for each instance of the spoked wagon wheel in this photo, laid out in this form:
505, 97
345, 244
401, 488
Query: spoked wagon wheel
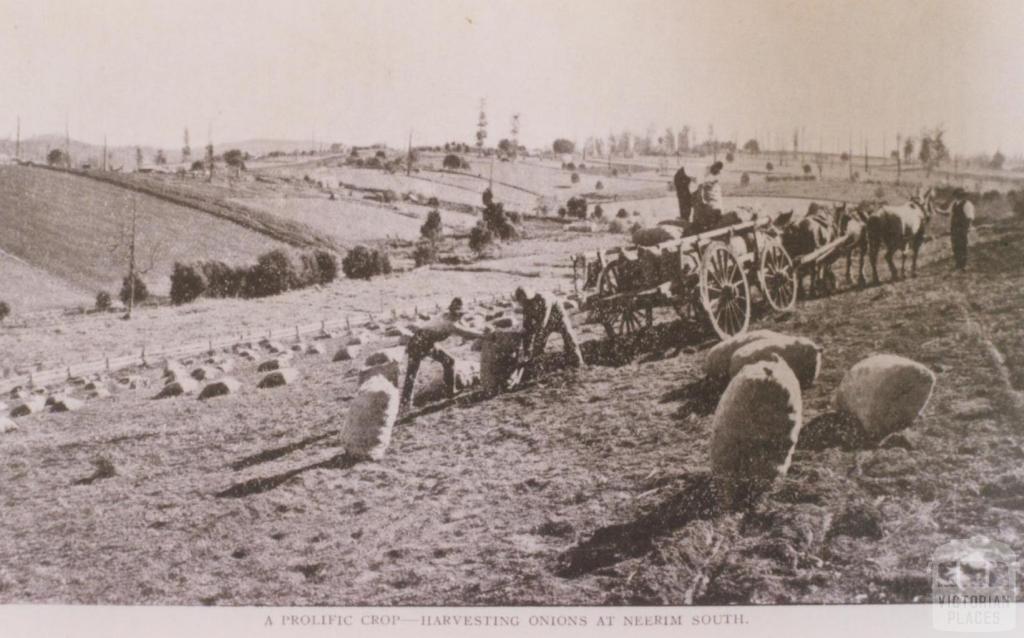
686, 292
777, 277
626, 321
610, 281
724, 291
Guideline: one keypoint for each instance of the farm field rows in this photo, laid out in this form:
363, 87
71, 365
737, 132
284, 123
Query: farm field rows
544, 259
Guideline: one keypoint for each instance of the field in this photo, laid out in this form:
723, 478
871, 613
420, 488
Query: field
352, 221
58, 340
572, 490
575, 489
68, 226
30, 289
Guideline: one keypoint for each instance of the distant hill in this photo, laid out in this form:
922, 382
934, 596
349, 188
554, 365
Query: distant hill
36, 148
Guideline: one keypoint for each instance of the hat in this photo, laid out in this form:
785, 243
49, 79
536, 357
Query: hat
959, 193
716, 168
455, 307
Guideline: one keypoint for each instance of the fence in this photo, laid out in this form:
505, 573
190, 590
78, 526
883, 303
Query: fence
150, 355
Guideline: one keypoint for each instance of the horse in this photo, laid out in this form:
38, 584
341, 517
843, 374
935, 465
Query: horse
815, 229
899, 228
854, 224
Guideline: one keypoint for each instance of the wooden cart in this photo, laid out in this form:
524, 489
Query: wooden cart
705, 278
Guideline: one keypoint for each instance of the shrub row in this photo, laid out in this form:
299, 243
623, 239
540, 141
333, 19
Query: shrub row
273, 273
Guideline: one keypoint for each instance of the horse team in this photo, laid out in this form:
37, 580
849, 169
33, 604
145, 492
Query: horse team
867, 228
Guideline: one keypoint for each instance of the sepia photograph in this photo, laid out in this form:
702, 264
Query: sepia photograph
390, 317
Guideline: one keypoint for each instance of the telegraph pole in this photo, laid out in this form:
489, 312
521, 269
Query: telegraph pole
408, 168
67, 144
104, 152
849, 155
17, 142
131, 265
899, 156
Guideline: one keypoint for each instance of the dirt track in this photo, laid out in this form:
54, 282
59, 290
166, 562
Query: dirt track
484, 501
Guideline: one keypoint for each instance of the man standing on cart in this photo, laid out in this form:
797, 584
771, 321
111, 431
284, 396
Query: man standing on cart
707, 213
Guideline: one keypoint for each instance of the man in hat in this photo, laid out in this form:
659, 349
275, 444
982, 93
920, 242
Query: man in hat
543, 315
961, 213
681, 181
708, 212
424, 344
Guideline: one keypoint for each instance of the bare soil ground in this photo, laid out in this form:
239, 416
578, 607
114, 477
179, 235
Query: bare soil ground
580, 488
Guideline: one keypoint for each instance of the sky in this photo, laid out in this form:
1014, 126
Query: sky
360, 72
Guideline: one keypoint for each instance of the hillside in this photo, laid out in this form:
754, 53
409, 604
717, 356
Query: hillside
35, 148
498, 501
67, 226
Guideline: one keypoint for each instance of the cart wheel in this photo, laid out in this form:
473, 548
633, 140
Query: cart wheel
724, 291
686, 291
627, 321
777, 277
610, 280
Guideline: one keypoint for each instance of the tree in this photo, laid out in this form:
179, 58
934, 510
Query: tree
505, 146
481, 126
480, 237
5, 310
932, 150
998, 159
807, 169
908, 150
363, 263
55, 157
452, 161
683, 143
197, 166
235, 160
160, 159
432, 229
562, 146
103, 301
577, 207
127, 245
133, 294
752, 146
209, 162
186, 150
187, 283
327, 265
138, 157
